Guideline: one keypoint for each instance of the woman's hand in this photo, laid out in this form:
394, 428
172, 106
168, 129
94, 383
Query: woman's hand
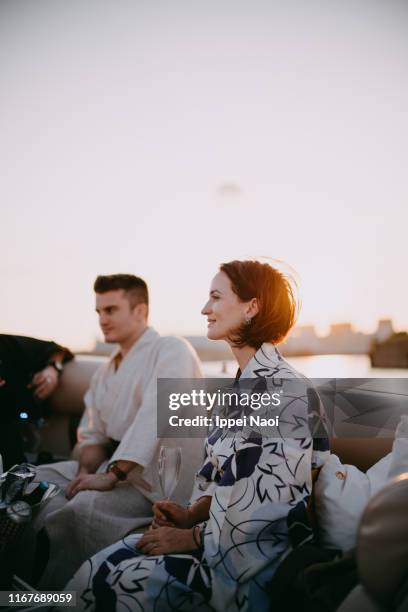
165, 540
170, 514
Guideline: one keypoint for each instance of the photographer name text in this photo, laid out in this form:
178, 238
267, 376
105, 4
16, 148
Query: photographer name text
218, 421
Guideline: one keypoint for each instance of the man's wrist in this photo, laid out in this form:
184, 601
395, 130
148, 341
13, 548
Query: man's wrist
113, 468
112, 477
56, 365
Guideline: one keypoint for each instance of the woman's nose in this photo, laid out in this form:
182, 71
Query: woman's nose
206, 309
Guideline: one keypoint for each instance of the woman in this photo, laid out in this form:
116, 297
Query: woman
249, 504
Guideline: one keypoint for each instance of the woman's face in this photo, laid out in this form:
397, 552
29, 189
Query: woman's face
224, 311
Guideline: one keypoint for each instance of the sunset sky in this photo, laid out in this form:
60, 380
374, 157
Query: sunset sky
165, 137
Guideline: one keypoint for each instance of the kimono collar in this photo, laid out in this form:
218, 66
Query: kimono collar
148, 336
266, 362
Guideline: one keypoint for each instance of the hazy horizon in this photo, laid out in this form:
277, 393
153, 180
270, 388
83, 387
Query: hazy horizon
320, 333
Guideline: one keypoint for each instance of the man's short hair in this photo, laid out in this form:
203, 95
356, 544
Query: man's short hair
134, 287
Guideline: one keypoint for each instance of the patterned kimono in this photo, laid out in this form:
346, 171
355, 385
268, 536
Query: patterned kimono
259, 487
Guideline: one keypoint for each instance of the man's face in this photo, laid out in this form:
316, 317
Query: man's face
118, 321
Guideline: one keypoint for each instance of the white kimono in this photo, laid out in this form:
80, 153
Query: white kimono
121, 406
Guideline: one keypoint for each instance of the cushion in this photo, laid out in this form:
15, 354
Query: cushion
341, 494
342, 491
382, 545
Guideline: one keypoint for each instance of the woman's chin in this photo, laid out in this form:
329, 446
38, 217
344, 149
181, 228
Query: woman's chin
213, 335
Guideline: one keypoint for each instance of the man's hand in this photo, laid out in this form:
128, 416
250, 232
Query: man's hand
170, 514
91, 482
44, 382
165, 540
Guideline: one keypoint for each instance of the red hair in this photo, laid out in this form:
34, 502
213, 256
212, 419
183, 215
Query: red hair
276, 301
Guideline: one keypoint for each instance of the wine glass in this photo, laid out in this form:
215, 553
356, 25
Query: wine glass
169, 469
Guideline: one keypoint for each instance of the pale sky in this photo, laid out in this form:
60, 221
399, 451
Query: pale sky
121, 121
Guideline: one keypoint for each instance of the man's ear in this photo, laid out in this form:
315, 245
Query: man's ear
142, 311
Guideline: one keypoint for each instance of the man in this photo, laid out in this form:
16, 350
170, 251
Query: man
113, 483
29, 372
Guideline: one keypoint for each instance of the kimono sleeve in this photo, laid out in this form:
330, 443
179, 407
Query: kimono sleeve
262, 482
175, 360
91, 429
204, 483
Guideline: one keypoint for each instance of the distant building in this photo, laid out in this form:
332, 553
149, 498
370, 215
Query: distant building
391, 353
341, 329
342, 339
303, 340
384, 330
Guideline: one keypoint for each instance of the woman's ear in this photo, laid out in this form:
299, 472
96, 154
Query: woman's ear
253, 308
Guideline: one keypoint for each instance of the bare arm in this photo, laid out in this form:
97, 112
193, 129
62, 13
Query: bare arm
90, 458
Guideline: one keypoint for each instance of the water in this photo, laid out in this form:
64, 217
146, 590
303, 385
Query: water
319, 366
